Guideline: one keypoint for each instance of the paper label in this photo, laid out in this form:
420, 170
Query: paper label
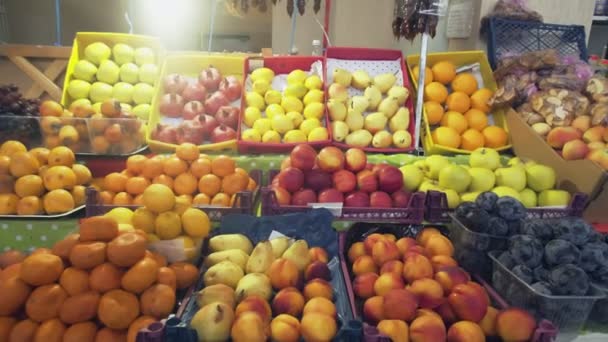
460, 19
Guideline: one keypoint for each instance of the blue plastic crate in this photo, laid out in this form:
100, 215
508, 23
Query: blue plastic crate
516, 37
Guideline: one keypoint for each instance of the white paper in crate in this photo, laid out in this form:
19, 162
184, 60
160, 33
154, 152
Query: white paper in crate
174, 250
373, 68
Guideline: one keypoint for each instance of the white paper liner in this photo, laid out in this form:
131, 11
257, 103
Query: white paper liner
45, 216
174, 250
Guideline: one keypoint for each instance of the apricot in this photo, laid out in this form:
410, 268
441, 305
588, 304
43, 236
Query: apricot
111, 335
50, 331
559, 136
449, 277
363, 285
141, 276
364, 264
404, 244
63, 247
45, 302
318, 288
438, 244
384, 251
318, 327
285, 328
249, 327
118, 309
428, 291
387, 282
80, 332
41, 269
74, 281
465, 331
440, 261
320, 305
427, 328
317, 269
23, 331
79, 308
393, 266
356, 250
416, 266
166, 276
138, 324
373, 310
158, 301
395, 329
87, 255
468, 302
400, 304
15, 293
488, 323
515, 325
371, 240
256, 304
318, 254
126, 249
283, 273
288, 301
105, 277
185, 273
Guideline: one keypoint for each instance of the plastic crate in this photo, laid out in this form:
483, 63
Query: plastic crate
244, 203
366, 54
437, 210
515, 37
599, 314
281, 65
459, 59
25, 129
568, 313
191, 65
413, 214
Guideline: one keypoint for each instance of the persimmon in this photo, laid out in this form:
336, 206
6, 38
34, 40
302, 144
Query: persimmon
62, 248
111, 335
50, 331
186, 274
98, 228
6, 325
80, 332
23, 331
167, 277
10, 257
14, 292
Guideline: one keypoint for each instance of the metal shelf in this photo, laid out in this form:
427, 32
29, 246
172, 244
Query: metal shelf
600, 20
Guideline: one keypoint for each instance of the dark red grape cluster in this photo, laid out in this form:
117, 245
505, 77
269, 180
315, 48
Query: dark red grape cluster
17, 116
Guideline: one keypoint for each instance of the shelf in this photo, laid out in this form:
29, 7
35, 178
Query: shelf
600, 19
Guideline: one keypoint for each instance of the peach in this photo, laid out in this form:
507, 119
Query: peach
317, 269
426, 233
320, 305
416, 266
364, 264
291, 179
356, 250
447, 314
344, 181
255, 304
600, 157
318, 254
283, 196
451, 276
559, 136
427, 328
582, 123
427, 312
441, 261
395, 329
480, 289
596, 145
393, 266
404, 244
465, 331
317, 180
400, 304
380, 199
318, 288
285, 328
355, 159
367, 181
330, 196
371, 240
318, 327
303, 197
439, 245
488, 323
357, 199
416, 250
468, 303
363, 285
428, 291
373, 310
249, 327
303, 157
286, 163
387, 282
283, 273
384, 251
390, 237
515, 325
288, 301
575, 149
594, 134
330, 159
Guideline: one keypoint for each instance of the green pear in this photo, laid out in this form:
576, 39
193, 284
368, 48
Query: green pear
295, 89
142, 111
100, 92
389, 106
402, 139
85, 70
144, 55
342, 76
143, 93
354, 120
260, 259
148, 73
236, 256
97, 52
374, 96
361, 80
213, 322
513, 177
224, 272
273, 97
296, 76
216, 293
428, 185
452, 197
262, 73
359, 103
434, 165
504, 191
485, 157
79, 89
553, 198
123, 53
254, 99
454, 177
412, 177
337, 110
108, 72
359, 138
528, 198
129, 73
469, 196
375, 122
400, 93
230, 241
382, 139
400, 121
540, 177
313, 95
339, 130
481, 179
123, 92
298, 254
279, 246
254, 284
338, 91
384, 82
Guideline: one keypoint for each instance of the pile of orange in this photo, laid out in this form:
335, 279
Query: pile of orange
458, 109
98, 285
40, 181
195, 178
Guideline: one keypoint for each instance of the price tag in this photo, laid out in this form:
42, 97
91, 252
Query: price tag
460, 19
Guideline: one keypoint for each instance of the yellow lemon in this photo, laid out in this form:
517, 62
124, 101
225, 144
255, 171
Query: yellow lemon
318, 134
292, 104
168, 225
282, 124
120, 215
296, 89
309, 124
251, 134
296, 118
196, 223
262, 125
296, 76
313, 82
295, 136
251, 115
158, 198
271, 137
314, 110
261, 86
274, 109
273, 96
143, 219
315, 95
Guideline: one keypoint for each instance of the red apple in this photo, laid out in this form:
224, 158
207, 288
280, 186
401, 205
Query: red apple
207, 123
228, 116
401, 199
171, 105
214, 102
303, 197
192, 109
165, 133
283, 196
380, 199
330, 159
390, 179
231, 87
330, 196
367, 181
303, 157
222, 133
357, 199
175, 83
344, 181
194, 92
210, 78
291, 179
317, 180
189, 131
355, 159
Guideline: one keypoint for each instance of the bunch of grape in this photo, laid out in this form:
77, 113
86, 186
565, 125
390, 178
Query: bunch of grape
18, 116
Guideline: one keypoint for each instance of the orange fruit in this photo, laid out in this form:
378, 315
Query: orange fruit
74, 281
50, 331
480, 99
455, 120
187, 151
8, 204
435, 91
10, 257
99, 144
80, 332
45, 302
30, 185
122, 198
79, 308
167, 277
140, 276
83, 174
15, 293
41, 269
58, 201
79, 195
59, 177
30, 205
428, 74
23, 331
153, 167
472, 139
185, 184
115, 182
458, 102
158, 301
446, 136
444, 72
160, 259
5, 161
41, 153
434, 112
174, 166
126, 249
163, 179
200, 167
23, 163
209, 185
495, 136
10, 147
118, 309
221, 199
111, 335
41, 250
105, 277
106, 197
138, 324
222, 166
136, 185
135, 164
7, 184
52, 141
6, 325
201, 199
62, 248
476, 119
185, 273
86, 255
465, 82
234, 183
98, 228
61, 155
138, 200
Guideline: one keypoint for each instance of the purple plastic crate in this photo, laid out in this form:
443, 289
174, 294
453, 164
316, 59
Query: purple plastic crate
244, 203
413, 214
437, 210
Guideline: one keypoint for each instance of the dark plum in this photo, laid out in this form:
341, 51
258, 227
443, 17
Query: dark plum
559, 252
506, 260
497, 226
539, 228
568, 280
524, 273
487, 201
526, 250
510, 209
542, 287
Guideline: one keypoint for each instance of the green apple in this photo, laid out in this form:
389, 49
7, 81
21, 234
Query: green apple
540, 177
412, 177
273, 96
292, 104
469, 196
515, 161
313, 82
454, 177
513, 177
251, 115
281, 124
273, 110
108, 72
296, 90
254, 99
144, 55
485, 157
503, 191
453, 198
148, 73
79, 89
297, 76
142, 111
123, 92
528, 198
553, 198
143, 93
100, 92
123, 53
313, 95
129, 73
97, 52
262, 73
85, 70
434, 164
481, 179
260, 86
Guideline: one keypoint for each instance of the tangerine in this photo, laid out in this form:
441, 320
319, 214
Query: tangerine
106, 197
115, 182
222, 166
135, 164
446, 136
185, 273
100, 145
221, 199
41, 153
83, 174
44, 302
140, 276
153, 167
158, 301
8, 204
235, 182
5, 161
126, 249
495, 136
434, 112
200, 167
466, 83
167, 277
100, 228
50, 331
30, 205
59, 177
455, 120
122, 199
444, 72
481, 98
74, 281
164, 180
435, 91
472, 139
10, 147
80, 332
476, 119
105, 277
187, 151
61, 155
23, 331
79, 308
138, 200
79, 193
23, 163
185, 184
15, 292
209, 185
10, 257
118, 309
161, 261
111, 335
63, 247
41, 269
428, 74
136, 185
458, 102
174, 166
6, 325
86, 255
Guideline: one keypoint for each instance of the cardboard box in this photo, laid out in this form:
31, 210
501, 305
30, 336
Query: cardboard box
573, 175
